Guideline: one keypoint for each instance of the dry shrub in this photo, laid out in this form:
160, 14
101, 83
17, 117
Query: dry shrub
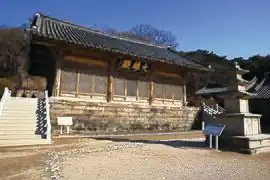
34, 83
164, 127
13, 51
10, 83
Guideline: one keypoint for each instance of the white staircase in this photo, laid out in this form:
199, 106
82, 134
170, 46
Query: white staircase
23, 121
209, 113
213, 110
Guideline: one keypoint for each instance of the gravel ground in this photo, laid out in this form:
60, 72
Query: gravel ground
156, 160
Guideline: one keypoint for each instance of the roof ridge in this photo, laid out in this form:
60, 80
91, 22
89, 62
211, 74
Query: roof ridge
99, 32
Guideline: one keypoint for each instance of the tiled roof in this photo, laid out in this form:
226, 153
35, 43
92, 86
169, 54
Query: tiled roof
216, 90
263, 89
251, 83
257, 91
54, 29
212, 88
263, 93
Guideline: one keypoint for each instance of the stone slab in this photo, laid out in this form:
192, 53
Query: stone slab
253, 144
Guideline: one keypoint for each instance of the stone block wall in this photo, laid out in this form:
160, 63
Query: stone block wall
118, 118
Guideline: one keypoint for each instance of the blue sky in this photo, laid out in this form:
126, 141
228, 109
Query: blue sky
228, 27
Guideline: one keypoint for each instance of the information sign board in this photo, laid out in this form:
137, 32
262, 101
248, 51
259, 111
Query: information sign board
213, 129
64, 121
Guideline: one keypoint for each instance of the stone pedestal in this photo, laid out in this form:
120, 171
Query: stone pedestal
253, 144
243, 133
236, 106
240, 124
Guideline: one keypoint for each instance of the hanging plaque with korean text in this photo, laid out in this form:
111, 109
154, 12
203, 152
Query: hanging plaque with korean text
134, 65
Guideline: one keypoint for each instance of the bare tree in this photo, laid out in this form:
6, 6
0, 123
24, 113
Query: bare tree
134, 36
143, 32
155, 35
13, 51
124, 34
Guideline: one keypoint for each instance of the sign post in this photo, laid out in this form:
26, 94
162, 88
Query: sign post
216, 142
203, 125
213, 130
210, 141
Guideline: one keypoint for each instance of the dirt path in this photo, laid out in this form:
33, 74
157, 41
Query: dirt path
155, 161
28, 161
82, 158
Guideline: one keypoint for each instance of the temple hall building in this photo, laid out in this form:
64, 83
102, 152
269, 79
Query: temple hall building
109, 83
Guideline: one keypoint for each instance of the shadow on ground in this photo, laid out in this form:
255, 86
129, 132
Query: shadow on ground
193, 143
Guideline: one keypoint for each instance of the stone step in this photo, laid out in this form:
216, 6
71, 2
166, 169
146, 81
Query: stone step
18, 116
11, 101
17, 132
8, 112
17, 128
19, 136
259, 143
20, 102
22, 99
19, 111
4, 127
252, 144
20, 107
17, 121
24, 142
21, 122
258, 150
253, 141
21, 114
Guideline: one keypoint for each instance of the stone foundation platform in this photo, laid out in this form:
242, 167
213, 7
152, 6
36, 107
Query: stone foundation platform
253, 144
122, 118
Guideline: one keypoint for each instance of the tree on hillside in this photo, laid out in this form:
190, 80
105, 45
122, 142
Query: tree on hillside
154, 34
14, 55
13, 51
206, 58
219, 64
143, 32
259, 65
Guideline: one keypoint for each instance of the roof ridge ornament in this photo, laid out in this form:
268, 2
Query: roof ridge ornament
236, 65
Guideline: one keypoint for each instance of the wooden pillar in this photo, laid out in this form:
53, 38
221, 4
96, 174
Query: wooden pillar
151, 85
58, 76
184, 95
110, 89
77, 82
184, 75
151, 95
